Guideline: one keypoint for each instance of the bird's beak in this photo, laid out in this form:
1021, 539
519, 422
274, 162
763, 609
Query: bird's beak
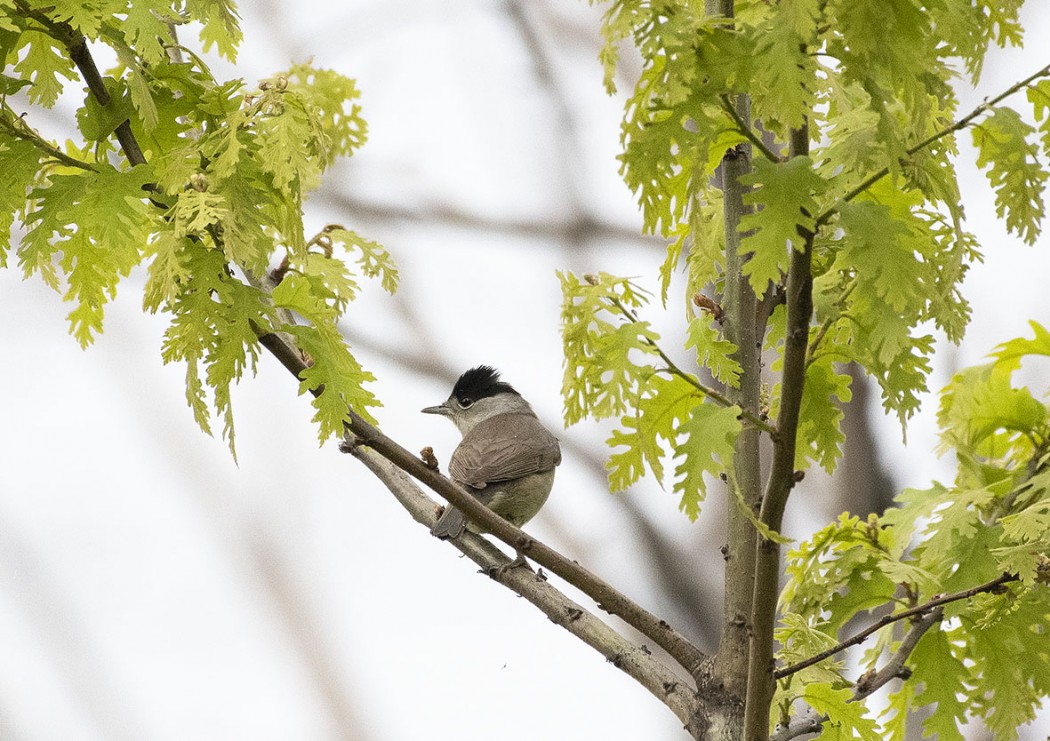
441, 409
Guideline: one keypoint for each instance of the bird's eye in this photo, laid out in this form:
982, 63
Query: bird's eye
466, 402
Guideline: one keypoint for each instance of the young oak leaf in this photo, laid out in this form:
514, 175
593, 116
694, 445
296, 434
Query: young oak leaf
1028, 532
878, 245
1010, 353
819, 433
1014, 171
334, 370
785, 202
846, 720
214, 318
713, 351
705, 446
374, 260
42, 60
102, 221
702, 238
937, 683
20, 163
1039, 96
221, 25
1009, 664
981, 412
147, 28
330, 97
602, 346
659, 415
783, 93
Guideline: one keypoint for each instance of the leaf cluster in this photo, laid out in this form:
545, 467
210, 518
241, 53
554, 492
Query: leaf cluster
989, 658
877, 193
872, 197
615, 368
209, 203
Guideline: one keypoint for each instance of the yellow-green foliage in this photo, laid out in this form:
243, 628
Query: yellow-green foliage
217, 203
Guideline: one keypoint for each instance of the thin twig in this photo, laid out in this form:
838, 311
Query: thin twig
962, 123
689, 378
892, 618
895, 667
747, 131
18, 128
869, 683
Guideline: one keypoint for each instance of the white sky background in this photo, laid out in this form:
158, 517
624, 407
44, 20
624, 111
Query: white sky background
151, 589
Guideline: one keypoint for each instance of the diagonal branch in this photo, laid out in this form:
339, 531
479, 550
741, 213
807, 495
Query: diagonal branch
870, 682
687, 655
81, 56
715, 394
882, 622
607, 598
637, 662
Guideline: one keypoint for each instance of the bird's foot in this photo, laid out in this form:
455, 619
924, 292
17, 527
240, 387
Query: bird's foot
498, 571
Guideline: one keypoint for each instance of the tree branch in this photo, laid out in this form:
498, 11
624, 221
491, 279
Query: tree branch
81, 56
870, 682
799, 301
882, 622
637, 662
607, 598
742, 329
17, 127
807, 722
894, 668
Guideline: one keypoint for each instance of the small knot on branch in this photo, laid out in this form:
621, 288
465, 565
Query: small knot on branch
709, 306
429, 459
350, 443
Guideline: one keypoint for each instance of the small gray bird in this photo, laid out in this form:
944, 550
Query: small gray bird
506, 458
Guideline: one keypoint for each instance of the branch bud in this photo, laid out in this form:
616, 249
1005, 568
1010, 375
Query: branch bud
709, 306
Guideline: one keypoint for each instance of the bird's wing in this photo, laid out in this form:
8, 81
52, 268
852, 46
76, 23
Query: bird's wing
504, 447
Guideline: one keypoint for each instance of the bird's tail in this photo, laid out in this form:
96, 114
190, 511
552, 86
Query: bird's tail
450, 525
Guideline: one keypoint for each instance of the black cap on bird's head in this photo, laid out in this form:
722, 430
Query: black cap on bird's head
478, 383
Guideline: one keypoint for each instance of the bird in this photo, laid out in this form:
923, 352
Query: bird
506, 458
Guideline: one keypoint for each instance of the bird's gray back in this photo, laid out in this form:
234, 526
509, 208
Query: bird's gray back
504, 447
